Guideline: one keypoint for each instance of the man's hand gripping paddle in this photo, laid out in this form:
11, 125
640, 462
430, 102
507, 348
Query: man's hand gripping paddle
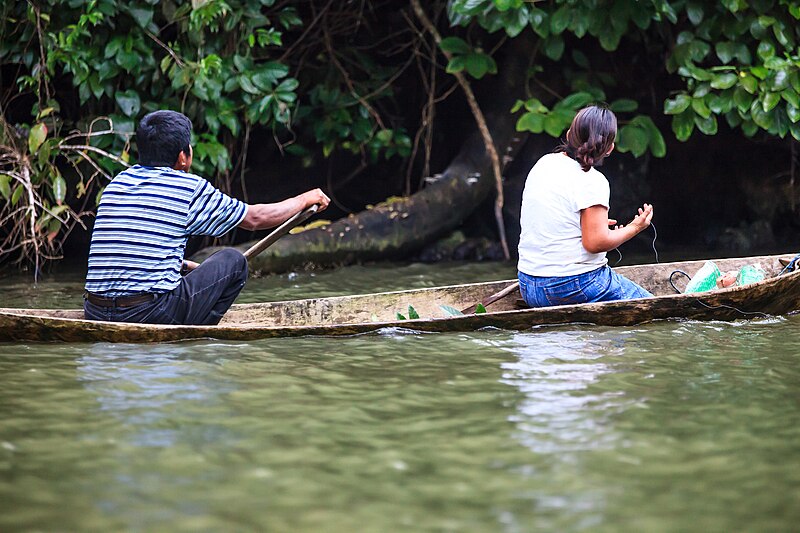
279, 232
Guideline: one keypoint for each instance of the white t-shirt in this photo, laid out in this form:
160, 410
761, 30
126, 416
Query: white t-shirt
556, 191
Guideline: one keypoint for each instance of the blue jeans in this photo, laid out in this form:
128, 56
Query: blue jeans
202, 298
599, 285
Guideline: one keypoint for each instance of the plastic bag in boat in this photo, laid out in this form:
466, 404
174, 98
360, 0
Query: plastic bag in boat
705, 279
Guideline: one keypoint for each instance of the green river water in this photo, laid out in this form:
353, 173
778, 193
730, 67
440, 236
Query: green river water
671, 426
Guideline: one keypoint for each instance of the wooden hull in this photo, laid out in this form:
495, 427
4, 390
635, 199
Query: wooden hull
349, 315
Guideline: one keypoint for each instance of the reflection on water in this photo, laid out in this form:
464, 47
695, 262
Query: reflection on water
663, 427
554, 371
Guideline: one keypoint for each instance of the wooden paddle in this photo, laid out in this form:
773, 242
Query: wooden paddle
493, 298
279, 232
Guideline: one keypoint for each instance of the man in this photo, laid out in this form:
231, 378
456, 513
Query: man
145, 217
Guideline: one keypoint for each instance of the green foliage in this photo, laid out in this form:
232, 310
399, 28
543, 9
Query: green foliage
217, 61
463, 57
412, 314
33, 190
637, 135
738, 60
221, 62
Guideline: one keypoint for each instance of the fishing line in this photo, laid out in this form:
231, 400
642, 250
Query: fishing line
653, 244
655, 236
673, 274
720, 306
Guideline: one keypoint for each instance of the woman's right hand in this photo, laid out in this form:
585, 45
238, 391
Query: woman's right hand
642, 220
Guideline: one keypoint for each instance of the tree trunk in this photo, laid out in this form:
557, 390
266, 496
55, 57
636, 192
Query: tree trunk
394, 230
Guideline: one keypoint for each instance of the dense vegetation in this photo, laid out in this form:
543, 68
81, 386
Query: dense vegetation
354, 87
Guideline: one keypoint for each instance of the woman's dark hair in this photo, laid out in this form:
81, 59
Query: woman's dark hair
161, 137
590, 136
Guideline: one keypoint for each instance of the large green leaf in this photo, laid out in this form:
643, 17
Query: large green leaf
632, 139
792, 97
129, 102
478, 65
655, 139
142, 15
777, 80
699, 106
59, 186
742, 99
554, 124
761, 117
36, 137
554, 47
17, 194
683, 125
450, 310
725, 51
455, 45
560, 19
707, 125
695, 12
456, 64
770, 100
533, 122
765, 50
623, 105
677, 105
5, 186
575, 100
724, 81
749, 82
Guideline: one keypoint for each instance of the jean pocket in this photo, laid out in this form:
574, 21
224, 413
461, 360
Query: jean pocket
564, 292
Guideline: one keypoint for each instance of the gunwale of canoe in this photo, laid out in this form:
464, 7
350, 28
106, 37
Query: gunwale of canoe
348, 315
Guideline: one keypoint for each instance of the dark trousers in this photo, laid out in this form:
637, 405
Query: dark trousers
202, 298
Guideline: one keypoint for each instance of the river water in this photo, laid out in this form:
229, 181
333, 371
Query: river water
672, 426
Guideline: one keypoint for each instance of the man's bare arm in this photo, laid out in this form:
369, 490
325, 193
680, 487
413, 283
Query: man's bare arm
264, 216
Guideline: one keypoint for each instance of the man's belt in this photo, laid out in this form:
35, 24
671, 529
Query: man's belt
121, 301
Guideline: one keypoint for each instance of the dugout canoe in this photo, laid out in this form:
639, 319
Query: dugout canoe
349, 315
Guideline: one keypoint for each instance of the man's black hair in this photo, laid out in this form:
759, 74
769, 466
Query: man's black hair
161, 137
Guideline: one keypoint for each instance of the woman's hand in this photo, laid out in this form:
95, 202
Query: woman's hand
642, 220
598, 236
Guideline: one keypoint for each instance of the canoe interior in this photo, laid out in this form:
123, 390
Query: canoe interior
383, 307
427, 302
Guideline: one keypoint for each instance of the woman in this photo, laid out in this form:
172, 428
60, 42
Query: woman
565, 226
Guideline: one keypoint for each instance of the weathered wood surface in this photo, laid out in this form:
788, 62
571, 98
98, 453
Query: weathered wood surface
347, 315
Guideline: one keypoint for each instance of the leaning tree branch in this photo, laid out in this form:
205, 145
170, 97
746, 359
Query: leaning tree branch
482, 126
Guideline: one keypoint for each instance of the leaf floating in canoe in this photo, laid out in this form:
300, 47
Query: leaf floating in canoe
480, 309
450, 310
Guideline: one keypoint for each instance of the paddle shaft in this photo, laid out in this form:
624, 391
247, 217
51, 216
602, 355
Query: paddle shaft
493, 298
279, 232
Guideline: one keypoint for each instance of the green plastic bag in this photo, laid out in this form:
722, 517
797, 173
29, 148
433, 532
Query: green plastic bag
750, 274
705, 279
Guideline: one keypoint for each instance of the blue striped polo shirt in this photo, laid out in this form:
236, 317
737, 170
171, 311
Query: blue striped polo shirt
145, 217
